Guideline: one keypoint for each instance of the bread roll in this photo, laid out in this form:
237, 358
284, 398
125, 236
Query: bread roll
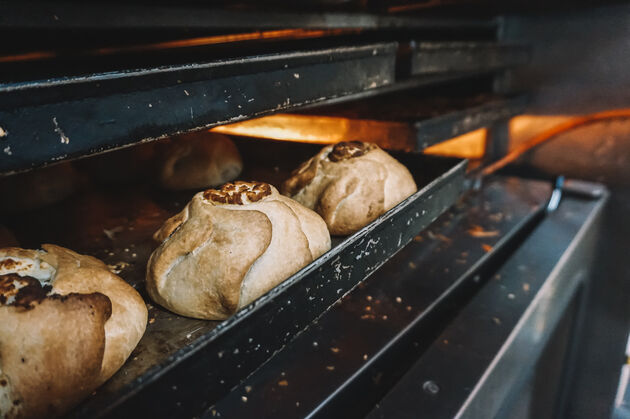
350, 184
198, 160
38, 188
67, 324
127, 165
229, 247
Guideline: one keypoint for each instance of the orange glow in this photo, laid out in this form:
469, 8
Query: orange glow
535, 130
524, 128
331, 129
324, 130
226, 39
471, 145
415, 6
29, 56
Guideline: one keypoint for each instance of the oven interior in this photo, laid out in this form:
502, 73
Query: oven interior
497, 290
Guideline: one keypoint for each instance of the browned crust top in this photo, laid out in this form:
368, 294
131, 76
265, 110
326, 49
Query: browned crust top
349, 149
300, 177
234, 193
29, 293
10, 264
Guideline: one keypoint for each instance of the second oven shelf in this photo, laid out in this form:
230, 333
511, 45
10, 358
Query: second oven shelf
408, 120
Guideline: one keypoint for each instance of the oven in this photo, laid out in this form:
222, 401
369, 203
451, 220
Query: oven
484, 294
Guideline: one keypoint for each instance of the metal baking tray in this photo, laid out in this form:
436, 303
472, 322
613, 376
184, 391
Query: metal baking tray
44, 121
185, 357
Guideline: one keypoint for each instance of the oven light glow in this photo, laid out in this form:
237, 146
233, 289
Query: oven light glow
29, 56
226, 39
471, 145
323, 130
330, 130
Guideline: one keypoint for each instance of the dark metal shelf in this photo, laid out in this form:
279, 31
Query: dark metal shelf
443, 127
418, 119
440, 57
480, 363
46, 121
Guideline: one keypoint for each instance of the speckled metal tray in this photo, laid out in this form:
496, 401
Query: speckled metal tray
181, 365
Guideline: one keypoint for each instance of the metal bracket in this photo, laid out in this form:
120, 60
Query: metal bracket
556, 195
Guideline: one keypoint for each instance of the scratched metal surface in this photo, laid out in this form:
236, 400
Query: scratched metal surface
45, 121
115, 222
490, 360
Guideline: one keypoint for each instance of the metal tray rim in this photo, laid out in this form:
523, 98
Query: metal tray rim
342, 51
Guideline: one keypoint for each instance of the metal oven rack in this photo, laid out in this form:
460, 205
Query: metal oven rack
45, 121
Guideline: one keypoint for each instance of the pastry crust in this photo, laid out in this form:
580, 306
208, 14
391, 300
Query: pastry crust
67, 324
229, 246
198, 160
350, 184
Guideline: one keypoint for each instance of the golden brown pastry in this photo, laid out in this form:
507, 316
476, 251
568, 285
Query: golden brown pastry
229, 247
198, 160
350, 184
67, 324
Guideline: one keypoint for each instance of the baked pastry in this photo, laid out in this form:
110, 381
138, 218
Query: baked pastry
198, 160
230, 246
66, 325
123, 166
350, 184
38, 188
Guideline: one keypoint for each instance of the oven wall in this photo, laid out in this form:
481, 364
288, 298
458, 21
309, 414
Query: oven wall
580, 65
580, 59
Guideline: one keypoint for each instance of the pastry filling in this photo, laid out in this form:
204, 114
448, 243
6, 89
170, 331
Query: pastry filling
24, 282
35, 268
238, 193
347, 150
